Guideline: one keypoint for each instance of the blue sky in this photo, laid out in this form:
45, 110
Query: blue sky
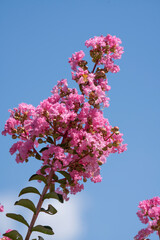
37, 37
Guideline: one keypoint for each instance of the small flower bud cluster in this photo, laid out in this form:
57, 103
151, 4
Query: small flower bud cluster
66, 131
149, 213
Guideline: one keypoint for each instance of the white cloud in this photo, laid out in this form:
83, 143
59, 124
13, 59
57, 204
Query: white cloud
67, 224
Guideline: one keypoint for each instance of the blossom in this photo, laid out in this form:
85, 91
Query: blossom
110, 49
68, 131
75, 59
149, 212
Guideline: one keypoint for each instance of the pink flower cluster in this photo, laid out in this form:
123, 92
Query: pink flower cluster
75, 59
149, 213
104, 50
68, 131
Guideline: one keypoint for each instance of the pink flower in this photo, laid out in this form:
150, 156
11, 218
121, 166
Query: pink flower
75, 59
68, 131
1, 208
149, 213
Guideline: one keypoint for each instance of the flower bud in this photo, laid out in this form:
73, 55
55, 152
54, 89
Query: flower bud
117, 132
82, 63
116, 144
14, 136
106, 70
100, 163
112, 49
65, 190
100, 74
91, 154
110, 145
40, 140
105, 148
100, 152
50, 131
115, 129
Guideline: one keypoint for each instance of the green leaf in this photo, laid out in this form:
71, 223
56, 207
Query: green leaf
56, 135
38, 177
66, 175
51, 210
18, 218
43, 149
55, 195
50, 140
63, 181
26, 203
43, 169
14, 235
40, 238
55, 177
43, 229
29, 190
52, 187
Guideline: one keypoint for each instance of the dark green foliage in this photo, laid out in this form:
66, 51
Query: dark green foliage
50, 140
27, 204
43, 229
57, 196
40, 238
38, 156
43, 169
38, 177
66, 175
51, 210
29, 190
14, 235
55, 177
62, 181
18, 218
43, 149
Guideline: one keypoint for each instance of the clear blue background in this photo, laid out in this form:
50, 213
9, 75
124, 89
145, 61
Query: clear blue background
36, 39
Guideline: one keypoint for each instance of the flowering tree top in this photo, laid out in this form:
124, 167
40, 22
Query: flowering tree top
67, 132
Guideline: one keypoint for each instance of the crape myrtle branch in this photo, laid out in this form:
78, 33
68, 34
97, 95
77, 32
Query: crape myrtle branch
67, 132
39, 205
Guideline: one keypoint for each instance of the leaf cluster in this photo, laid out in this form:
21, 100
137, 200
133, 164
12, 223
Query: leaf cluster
27, 203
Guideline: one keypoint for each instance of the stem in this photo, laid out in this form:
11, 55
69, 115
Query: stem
35, 215
95, 66
76, 160
109, 136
